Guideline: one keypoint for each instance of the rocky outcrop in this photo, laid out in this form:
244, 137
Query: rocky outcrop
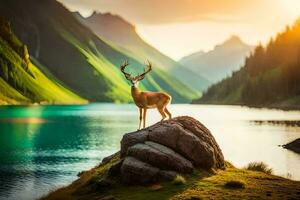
160, 156
165, 149
293, 146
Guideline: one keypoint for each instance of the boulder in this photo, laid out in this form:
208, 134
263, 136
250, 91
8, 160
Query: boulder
293, 146
135, 171
160, 156
168, 148
109, 158
167, 175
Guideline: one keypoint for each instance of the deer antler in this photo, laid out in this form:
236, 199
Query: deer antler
122, 67
147, 70
138, 77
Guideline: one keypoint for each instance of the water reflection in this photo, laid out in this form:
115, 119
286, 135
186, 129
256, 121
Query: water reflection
45, 147
278, 122
42, 148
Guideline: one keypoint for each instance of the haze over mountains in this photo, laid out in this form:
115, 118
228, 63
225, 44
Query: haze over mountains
219, 62
122, 35
74, 59
269, 78
84, 62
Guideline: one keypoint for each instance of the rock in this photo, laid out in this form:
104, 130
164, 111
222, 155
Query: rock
191, 139
80, 173
131, 139
160, 156
293, 146
104, 183
114, 170
167, 175
135, 171
109, 158
168, 148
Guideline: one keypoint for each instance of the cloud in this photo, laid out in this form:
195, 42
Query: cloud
180, 11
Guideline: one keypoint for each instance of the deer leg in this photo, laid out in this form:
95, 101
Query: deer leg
163, 114
144, 117
141, 111
168, 113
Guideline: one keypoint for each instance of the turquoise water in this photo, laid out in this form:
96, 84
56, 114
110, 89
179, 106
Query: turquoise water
44, 147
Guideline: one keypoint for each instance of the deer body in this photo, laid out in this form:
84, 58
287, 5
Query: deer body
147, 100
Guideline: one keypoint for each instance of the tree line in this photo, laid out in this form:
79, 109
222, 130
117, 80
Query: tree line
271, 74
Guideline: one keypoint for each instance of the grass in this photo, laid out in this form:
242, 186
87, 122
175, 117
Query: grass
119, 89
165, 68
231, 183
179, 180
9, 94
259, 167
30, 85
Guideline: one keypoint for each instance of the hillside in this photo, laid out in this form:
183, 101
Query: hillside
22, 82
270, 77
231, 183
219, 62
77, 57
123, 36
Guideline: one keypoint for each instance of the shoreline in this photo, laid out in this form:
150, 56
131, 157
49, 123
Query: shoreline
199, 185
45, 104
284, 108
276, 107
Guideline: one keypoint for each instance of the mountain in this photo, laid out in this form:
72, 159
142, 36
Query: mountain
77, 57
122, 35
270, 77
21, 81
221, 61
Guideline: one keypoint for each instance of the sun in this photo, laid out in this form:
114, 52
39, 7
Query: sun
292, 7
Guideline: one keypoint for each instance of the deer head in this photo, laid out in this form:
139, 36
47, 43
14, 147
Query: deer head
135, 79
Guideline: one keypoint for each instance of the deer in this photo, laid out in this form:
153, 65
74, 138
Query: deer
145, 100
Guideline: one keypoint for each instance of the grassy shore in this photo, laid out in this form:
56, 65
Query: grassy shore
231, 183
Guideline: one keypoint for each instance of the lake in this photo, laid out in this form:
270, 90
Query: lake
44, 147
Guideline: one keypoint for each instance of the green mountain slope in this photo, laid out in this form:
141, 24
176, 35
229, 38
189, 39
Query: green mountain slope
270, 77
76, 56
219, 62
23, 82
123, 36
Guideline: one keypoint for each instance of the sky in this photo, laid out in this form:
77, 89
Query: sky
181, 27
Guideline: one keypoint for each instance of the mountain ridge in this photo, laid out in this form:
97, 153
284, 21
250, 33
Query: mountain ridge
76, 56
218, 63
120, 33
269, 78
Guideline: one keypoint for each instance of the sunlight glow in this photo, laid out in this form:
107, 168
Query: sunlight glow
198, 25
178, 40
292, 7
